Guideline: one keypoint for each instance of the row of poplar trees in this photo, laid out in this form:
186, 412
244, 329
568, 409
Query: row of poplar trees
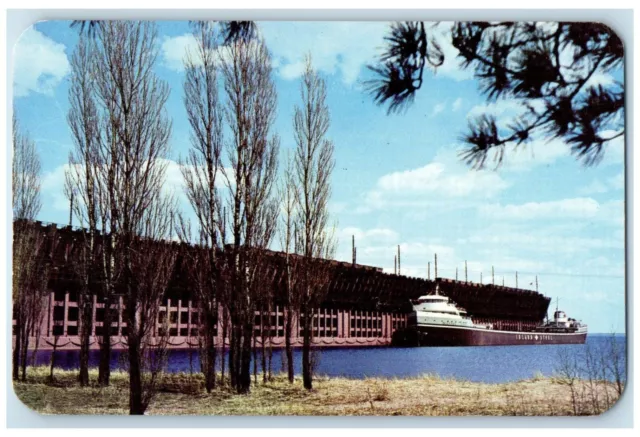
242, 202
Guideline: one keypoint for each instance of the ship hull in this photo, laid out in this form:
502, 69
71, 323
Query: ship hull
435, 335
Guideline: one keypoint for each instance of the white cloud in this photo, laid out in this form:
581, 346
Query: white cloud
541, 240
438, 108
509, 107
53, 188
40, 64
342, 48
598, 186
435, 179
332, 51
520, 157
367, 236
612, 212
54, 180
525, 157
445, 180
581, 207
174, 50
595, 187
457, 104
378, 247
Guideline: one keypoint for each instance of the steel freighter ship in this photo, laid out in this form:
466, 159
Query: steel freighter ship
437, 321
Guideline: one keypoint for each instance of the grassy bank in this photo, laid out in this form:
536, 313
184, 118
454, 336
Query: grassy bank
182, 394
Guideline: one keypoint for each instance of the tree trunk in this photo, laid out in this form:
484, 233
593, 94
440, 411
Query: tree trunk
255, 359
306, 351
85, 334
24, 353
17, 347
36, 346
244, 383
270, 348
134, 329
288, 346
135, 377
263, 347
270, 360
104, 368
225, 322
233, 361
53, 357
210, 371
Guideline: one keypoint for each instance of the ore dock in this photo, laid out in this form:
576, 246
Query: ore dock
364, 306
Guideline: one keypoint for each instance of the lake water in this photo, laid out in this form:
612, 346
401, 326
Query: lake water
482, 364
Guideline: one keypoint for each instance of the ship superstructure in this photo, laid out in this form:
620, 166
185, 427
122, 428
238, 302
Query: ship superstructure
562, 324
436, 320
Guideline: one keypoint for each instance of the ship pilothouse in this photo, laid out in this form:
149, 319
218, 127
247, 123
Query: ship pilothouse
436, 309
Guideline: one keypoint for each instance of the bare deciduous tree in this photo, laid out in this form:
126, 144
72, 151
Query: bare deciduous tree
313, 165
617, 362
25, 177
287, 196
593, 374
80, 184
152, 265
200, 172
133, 149
30, 254
251, 102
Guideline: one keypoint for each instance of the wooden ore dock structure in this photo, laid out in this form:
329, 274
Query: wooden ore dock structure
363, 307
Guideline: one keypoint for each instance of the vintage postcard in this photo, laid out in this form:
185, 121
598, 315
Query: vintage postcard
305, 218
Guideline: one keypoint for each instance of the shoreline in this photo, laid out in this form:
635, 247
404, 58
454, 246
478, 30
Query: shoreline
427, 395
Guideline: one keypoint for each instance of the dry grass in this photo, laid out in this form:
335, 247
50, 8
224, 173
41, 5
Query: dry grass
182, 394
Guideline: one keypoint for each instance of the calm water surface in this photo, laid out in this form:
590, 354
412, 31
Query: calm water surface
483, 364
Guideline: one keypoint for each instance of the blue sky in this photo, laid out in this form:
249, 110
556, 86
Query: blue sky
397, 178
